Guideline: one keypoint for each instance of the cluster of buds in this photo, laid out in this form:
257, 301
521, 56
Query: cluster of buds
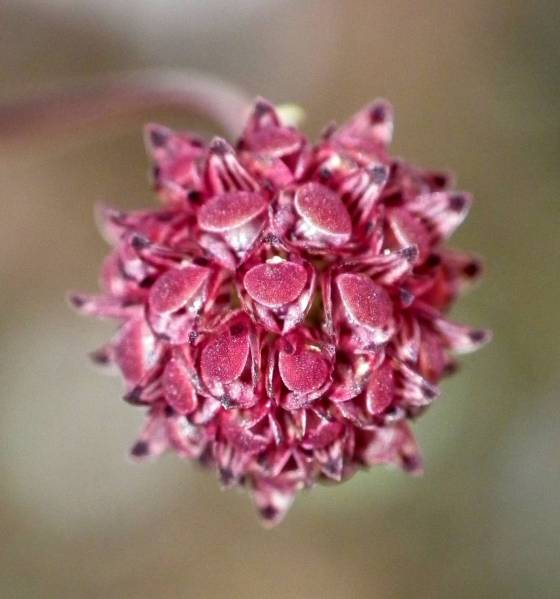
282, 314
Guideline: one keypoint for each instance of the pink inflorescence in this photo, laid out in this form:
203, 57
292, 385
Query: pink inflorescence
282, 315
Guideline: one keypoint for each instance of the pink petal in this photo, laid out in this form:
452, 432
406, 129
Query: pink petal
303, 371
240, 434
322, 434
393, 445
177, 386
460, 338
153, 439
278, 141
273, 501
224, 358
445, 210
223, 172
324, 211
432, 360
370, 129
263, 116
409, 230
176, 287
275, 284
135, 350
366, 303
381, 389
230, 210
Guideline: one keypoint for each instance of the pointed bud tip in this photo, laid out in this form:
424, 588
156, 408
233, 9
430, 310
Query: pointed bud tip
140, 449
379, 174
155, 136
481, 336
134, 396
100, 357
77, 300
458, 202
261, 106
139, 242
380, 111
220, 146
410, 253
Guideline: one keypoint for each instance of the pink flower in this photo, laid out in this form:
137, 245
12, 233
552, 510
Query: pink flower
282, 315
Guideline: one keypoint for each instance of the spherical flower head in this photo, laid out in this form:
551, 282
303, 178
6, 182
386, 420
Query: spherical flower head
282, 314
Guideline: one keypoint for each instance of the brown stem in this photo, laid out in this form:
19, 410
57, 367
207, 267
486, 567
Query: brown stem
105, 97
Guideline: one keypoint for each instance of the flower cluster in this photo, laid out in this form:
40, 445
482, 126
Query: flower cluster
281, 315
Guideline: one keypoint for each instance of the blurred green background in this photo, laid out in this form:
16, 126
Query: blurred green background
475, 86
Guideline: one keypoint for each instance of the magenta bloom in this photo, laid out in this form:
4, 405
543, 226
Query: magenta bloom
282, 315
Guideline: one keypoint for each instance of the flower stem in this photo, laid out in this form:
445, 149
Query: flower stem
102, 98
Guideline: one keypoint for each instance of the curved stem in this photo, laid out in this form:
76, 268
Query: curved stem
105, 97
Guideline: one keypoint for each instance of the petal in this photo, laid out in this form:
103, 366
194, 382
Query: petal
177, 386
176, 288
303, 371
460, 338
230, 210
432, 360
224, 173
324, 211
224, 358
276, 142
153, 439
409, 230
273, 501
366, 303
242, 436
414, 390
444, 210
135, 350
392, 445
275, 284
381, 389
370, 129
263, 116
322, 434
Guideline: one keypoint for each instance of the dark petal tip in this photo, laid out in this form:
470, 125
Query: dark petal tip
451, 368
219, 146
457, 202
433, 260
262, 107
100, 357
269, 512
77, 300
410, 253
134, 397
378, 114
157, 138
479, 336
379, 174
472, 269
324, 173
406, 297
140, 449
270, 239
194, 196
412, 463
139, 242
227, 402
429, 392
226, 476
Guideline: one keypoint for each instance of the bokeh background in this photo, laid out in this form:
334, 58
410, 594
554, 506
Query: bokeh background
475, 86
